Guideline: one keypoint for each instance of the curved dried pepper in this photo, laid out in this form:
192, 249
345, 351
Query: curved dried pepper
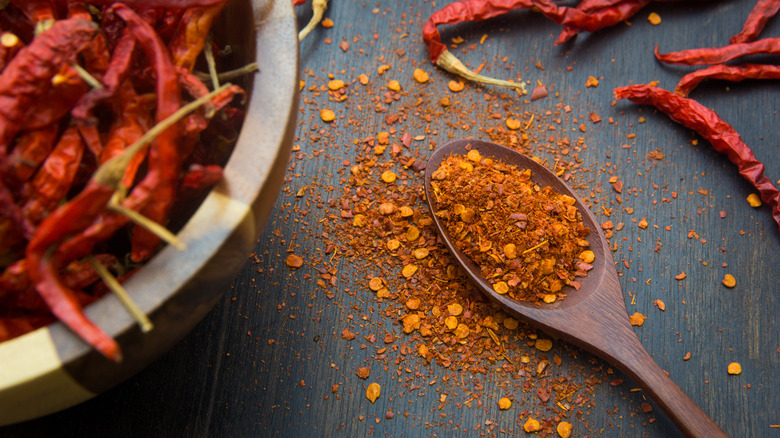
462, 11
31, 149
593, 17
709, 125
733, 73
53, 180
28, 77
719, 55
164, 157
756, 20
190, 35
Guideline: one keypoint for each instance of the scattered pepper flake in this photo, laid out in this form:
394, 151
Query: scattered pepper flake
660, 304
382, 69
347, 335
335, 84
363, 79
646, 408
293, 261
592, 82
680, 276
539, 92
327, 23
363, 372
687, 356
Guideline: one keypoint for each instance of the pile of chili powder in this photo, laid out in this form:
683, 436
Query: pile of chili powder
528, 241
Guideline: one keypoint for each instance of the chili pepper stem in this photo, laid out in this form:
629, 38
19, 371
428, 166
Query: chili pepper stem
319, 7
159, 230
230, 74
120, 292
452, 64
86, 77
209, 54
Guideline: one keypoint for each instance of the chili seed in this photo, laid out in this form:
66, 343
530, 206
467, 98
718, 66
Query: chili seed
409, 270
456, 86
373, 391
637, 319
335, 84
587, 256
394, 86
420, 75
420, 253
454, 309
375, 284
389, 177
754, 200
363, 79
654, 19
293, 261
451, 322
564, 429
413, 303
393, 244
543, 344
501, 287
531, 425
327, 115
504, 403
511, 323
734, 368
513, 124
729, 280
327, 23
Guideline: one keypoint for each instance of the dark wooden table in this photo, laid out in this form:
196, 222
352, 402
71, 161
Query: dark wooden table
265, 359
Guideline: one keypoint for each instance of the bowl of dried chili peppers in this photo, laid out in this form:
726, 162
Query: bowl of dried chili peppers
142, 147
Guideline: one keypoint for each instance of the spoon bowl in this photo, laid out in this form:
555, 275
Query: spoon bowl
594, 317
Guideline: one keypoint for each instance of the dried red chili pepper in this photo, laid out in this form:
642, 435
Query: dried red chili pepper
190, 35
709, 125
200, 177
10, 43
53, 180
27, 78
719, 55
31, 149
37, 11
756, 20
459, 12
592, 16
733, 73
164, 158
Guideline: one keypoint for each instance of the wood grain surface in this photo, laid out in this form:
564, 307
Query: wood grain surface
264, 361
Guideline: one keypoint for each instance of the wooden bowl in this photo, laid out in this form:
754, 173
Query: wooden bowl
51, 368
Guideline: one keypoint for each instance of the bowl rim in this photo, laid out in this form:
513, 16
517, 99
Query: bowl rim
50, 368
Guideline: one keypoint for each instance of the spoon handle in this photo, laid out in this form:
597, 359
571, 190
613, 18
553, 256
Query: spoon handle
689, 417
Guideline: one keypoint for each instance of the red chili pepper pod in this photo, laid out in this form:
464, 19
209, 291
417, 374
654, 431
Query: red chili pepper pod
28, 77
719, 55
756, 20
31, 149
733, 73
191, 32
164, 157
711, 127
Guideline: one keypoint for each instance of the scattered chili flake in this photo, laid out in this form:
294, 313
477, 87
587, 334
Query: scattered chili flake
660, 304
637, 319
420, 75
363, 79
293, 261
327, 23
363, 372
687, 356
564, 429
539, 92
456, 86
348, 335
531, 425
504, 403
486, 205
373, 391
382, 69
734, 368
592, 82
327, 115
680, 276
646, 408
642, 223
729, 280
754, 200
654, 19
595, 118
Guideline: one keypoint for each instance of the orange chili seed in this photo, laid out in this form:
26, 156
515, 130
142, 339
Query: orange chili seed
327, 115
729, 280
531, 425
456, 86
375, 284
513, 124
393, 244
504, 403
409, 270
451, 322
543, 344
327, 23
363, 79
335, 84
455, 309
501, 287
389, 176
734, 369
654, 19
564, 429
754, 200
511, 323
382, 69
373, 391
394, 86
637, 319
293, 261
592, 82
420, 75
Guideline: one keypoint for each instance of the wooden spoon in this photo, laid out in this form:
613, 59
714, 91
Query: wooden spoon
594, 317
